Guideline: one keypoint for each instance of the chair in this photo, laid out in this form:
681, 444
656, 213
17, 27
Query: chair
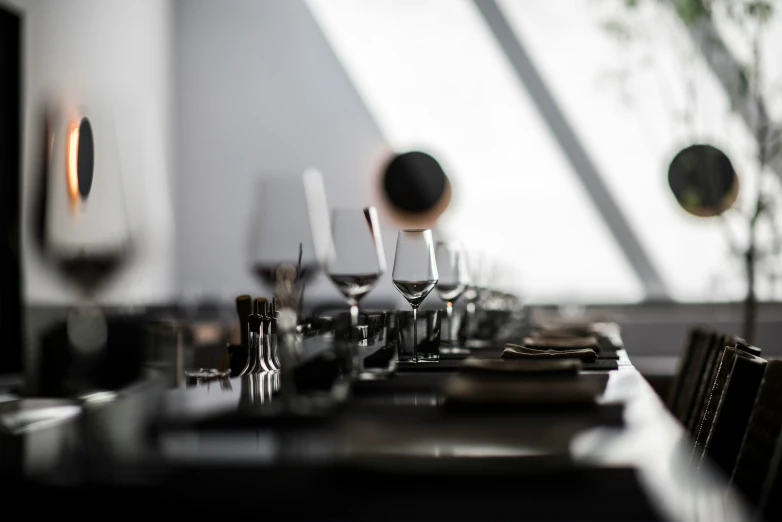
771, 499
758, 447
701, 355
728, 408
712, 402
708, 376
696, 338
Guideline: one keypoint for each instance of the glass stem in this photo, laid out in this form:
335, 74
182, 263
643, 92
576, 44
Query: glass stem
353, 314
470, 319
415, 334
449, 315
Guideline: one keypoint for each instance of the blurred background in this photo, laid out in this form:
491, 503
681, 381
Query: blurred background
555, 122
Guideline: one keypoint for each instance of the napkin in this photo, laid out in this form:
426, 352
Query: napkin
516, 351
570, 343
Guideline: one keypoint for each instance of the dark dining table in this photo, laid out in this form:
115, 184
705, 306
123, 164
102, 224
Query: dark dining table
392, 450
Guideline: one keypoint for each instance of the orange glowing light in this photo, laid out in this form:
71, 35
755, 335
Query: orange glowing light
72, 164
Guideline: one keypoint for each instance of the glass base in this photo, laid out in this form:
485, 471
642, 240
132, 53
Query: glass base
373, 376
477, 344
454, 350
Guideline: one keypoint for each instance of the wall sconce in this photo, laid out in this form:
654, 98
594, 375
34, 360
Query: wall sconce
416, 190
79, 160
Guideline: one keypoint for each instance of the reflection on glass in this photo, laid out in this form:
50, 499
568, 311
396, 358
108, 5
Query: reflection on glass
415, 271
259, 388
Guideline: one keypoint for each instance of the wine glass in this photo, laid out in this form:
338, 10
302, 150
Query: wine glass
415, 271
451, 284
358, 259
290, 241
86, 233
290, 230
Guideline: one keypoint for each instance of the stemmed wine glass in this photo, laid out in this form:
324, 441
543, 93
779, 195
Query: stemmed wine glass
358, 259
451, 284
290, 241
415, 271
86, 231
290, 228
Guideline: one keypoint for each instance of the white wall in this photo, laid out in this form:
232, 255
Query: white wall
205, 97
114, 56
259, 90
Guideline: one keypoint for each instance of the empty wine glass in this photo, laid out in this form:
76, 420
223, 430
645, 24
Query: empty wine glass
358, 260
290, 229
86, 233
415, 271
451, 284
290, 241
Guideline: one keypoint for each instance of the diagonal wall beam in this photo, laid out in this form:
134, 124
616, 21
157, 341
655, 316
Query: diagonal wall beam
574, 151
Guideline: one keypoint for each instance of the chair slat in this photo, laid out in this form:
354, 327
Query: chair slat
729, 408
763, 430
771, 499
706, 379
694, 337
692, 378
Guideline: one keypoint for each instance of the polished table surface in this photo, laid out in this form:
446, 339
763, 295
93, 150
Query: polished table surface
394, 448
657, 445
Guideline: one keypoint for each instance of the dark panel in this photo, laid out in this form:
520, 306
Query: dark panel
10, 173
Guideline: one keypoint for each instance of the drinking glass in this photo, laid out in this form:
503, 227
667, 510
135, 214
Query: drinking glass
415, 270
290, 230
290, 241
358, 260
451, 284
86, 233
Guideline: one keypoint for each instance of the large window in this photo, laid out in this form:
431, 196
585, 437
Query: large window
435, 78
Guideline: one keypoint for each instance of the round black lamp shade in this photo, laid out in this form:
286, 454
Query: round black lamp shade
703, 180
415, 183
86, 159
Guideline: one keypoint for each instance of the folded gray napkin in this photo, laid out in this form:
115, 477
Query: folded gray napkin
562, 343
524, 367
512, 351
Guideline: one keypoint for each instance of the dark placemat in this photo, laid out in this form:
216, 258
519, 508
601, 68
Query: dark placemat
550, 393
603, 365
401, 382
606, 345
452, 362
